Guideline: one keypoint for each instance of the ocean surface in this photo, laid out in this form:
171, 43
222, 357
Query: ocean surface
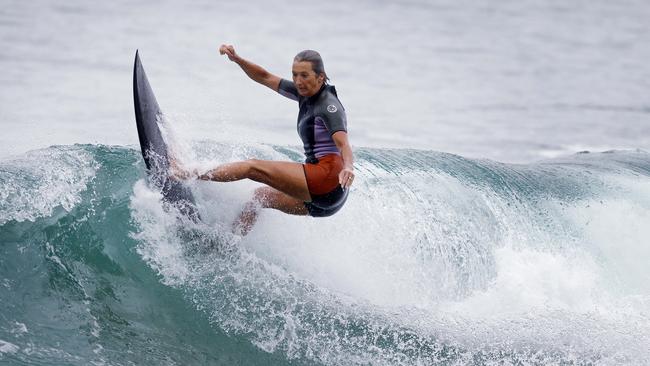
500, 214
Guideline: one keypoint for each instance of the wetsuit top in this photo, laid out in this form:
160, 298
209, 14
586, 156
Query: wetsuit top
320, 116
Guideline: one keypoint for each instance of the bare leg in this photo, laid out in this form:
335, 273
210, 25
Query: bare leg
267, 197
177, 171
287, 192
286, 177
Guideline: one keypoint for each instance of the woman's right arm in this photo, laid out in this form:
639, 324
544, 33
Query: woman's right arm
254, 71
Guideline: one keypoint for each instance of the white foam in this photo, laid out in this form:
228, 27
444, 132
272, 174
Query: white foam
530, 281
160, 246
616, 231
19, 328
39, 181
6, 347
423, 252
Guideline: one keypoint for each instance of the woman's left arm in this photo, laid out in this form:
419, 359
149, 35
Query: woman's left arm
346, 176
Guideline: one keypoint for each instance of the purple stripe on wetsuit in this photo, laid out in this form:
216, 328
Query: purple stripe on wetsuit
323, 142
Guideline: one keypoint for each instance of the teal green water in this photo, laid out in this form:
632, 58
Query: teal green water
74, 280
422, 267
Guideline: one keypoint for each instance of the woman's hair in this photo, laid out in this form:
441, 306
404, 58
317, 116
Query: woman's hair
316, 61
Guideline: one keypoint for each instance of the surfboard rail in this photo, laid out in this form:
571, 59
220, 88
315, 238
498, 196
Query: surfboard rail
155, 153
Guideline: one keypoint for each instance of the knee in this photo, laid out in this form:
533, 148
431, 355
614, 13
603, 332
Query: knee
259, 199
263, 197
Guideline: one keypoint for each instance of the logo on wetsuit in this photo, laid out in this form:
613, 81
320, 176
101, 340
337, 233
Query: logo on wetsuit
331, 108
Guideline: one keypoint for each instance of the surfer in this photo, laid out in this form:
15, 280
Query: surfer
319, 186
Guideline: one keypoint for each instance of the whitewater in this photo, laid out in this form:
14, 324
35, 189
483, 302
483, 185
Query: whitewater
436, 259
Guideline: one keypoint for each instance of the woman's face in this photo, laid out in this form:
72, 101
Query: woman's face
305, 79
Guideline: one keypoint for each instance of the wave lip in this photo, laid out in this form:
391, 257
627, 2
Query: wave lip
41, 180
436, 259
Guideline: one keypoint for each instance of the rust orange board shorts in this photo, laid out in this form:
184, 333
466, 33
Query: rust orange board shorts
323, 183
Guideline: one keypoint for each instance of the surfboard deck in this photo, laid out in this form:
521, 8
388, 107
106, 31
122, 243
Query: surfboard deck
154, 148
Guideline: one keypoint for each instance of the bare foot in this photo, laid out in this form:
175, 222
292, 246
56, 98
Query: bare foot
176, 171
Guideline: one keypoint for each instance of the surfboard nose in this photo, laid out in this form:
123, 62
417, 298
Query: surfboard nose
147, 116
137, 62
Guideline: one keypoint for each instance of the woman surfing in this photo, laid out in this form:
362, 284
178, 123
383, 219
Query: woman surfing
319, 186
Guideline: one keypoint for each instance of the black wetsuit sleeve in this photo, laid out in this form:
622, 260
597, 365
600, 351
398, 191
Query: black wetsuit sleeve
288, 89
334, 117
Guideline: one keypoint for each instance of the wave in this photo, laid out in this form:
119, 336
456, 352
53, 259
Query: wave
436, 259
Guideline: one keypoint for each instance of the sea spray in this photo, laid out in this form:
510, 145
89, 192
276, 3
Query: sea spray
435, 259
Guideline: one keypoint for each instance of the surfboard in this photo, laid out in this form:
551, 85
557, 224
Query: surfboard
155, 153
